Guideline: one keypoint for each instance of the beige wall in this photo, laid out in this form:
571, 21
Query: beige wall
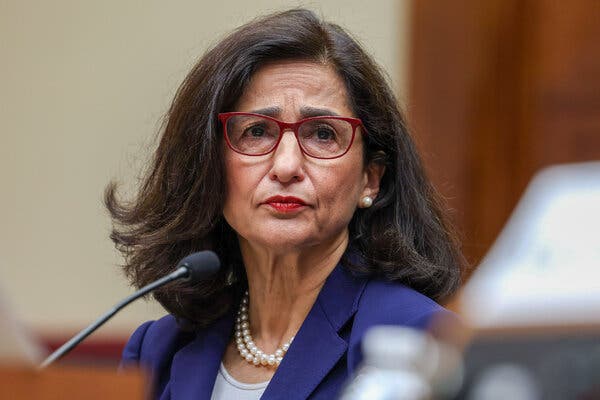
83, 85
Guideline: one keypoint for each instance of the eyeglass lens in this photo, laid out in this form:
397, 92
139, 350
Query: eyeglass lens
321, 137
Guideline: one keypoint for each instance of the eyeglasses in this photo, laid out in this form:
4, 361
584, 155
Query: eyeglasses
319, 137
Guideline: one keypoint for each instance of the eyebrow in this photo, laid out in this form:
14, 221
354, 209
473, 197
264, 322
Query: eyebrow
268, 111
305, 112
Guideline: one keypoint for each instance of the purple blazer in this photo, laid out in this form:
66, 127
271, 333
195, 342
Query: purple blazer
324, 353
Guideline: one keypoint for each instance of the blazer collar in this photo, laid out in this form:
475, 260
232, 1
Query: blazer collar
316, 348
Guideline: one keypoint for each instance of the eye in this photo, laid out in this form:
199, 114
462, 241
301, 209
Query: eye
256, 131
321, 132
325, 133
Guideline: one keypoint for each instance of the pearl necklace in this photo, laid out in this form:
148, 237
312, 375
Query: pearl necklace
246, 346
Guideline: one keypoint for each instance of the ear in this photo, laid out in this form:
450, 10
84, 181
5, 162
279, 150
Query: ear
372, 178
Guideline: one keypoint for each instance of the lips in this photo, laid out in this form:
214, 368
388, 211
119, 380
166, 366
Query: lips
285, 203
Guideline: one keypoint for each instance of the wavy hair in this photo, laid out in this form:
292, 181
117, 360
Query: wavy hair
402, 237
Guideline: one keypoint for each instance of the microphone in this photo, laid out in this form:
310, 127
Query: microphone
192, 268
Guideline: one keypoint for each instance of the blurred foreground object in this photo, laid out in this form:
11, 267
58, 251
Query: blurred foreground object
544, 268
402, 363
534, 302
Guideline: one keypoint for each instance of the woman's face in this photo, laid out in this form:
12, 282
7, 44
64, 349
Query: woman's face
323, 193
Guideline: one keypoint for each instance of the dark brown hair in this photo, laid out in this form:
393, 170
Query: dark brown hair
178, 209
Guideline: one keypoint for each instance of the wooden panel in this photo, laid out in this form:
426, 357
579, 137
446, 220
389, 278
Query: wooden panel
500, 89
564, 99
70, 383
465, 74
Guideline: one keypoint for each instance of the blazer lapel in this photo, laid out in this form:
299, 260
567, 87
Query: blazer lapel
317, 346
196, 365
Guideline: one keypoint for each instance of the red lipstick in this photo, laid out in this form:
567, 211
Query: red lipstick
285, 203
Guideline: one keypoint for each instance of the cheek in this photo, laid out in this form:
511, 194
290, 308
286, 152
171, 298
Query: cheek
242, 179
237, 187
340, 191
240, 175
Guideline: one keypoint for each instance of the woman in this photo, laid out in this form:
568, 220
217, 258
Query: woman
285, 153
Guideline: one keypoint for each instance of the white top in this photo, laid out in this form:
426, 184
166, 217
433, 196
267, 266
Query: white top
227, 388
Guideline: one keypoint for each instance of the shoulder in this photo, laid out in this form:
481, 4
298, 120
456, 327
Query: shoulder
153, 343
390, 303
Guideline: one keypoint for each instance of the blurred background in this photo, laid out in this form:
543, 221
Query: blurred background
493, 90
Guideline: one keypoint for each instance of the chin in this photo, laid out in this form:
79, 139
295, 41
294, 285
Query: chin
288, 239
284, 244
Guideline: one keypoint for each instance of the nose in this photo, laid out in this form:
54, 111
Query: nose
288, 160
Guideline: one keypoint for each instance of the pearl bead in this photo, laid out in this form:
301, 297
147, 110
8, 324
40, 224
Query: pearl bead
246, 346
366, 202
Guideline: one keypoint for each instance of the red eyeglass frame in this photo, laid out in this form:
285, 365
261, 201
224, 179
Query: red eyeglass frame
293, 126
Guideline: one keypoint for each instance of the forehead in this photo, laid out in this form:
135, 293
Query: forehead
290, 86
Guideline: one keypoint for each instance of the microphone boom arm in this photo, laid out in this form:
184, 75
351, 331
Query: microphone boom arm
182, 272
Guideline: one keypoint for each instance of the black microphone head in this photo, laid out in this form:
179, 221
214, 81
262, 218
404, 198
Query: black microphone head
200, 265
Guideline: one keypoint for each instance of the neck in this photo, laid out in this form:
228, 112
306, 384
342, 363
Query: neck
284, 287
